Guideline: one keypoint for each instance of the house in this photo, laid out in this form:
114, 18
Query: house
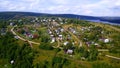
61, 29
68, 37
60, 19
61, 23
35, 35
53, 40
11, 24
55, 23
49, 20
51, 35
30, 36
106, 40
60, 37
72, 30
57, 33
56, 30
36, 18
73, 43
69, 51
16, 37
50, 32
96, 44
12, 61
65, 43
88, 44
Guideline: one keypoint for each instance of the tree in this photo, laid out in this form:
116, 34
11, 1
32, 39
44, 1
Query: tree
83, 52
58, 62
93, 53
45, 38
46, 46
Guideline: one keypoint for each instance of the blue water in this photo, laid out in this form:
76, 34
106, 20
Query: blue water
99, 21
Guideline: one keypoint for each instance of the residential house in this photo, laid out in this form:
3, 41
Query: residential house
53, 40
69, 51
65, 43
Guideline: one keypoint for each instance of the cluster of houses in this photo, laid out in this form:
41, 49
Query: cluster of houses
100, 38
30, 34
55, 31
86, 28
88, 42
37, 22
105, 40
72, 30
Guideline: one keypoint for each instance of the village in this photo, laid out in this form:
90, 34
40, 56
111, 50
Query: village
71, 39
61, 34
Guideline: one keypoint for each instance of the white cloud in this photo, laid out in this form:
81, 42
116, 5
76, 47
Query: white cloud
82, 7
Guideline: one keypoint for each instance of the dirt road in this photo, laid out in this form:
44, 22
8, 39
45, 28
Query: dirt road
12, 30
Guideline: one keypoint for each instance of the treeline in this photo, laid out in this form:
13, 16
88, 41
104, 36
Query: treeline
79, 22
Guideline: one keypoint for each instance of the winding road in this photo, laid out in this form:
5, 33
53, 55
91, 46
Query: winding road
12, 30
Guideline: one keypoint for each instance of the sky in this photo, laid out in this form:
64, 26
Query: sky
80, 7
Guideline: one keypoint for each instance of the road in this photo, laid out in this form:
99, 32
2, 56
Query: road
12, 30
112, 57
78, 42
103, 50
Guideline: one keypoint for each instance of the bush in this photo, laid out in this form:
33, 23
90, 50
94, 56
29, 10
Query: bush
101, 65
45, 46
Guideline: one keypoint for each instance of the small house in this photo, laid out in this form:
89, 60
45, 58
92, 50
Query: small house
12, 61
60, 37
53, 40
65, 43
16, 37
69, 51
106, 40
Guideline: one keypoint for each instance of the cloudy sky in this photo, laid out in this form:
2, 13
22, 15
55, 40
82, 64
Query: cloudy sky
81, 7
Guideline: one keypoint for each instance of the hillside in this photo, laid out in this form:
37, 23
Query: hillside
14, 15
57, 42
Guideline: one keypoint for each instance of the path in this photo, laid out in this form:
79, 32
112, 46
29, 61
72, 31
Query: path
103, 50
75, 37
112, 57
12, 30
